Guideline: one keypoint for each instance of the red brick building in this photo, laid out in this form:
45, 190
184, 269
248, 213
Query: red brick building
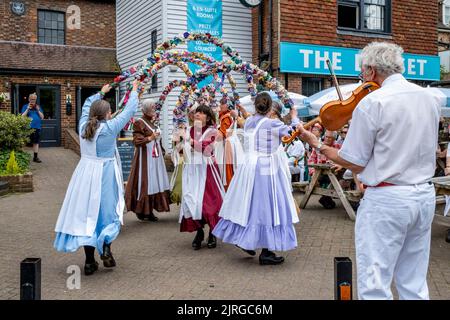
62, 50
291, 35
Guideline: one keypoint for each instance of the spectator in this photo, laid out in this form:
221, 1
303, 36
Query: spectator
34, 111
316, 157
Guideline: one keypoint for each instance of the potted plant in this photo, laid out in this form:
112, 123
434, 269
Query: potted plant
14, 161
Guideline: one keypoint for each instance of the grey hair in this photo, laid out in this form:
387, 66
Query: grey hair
385, 57
334, 133
32, 95
146, 104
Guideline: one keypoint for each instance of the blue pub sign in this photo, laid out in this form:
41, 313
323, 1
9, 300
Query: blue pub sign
311, 59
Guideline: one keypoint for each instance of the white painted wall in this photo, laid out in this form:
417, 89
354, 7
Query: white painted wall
137, 18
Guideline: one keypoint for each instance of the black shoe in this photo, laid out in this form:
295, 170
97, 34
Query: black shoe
250, 252
327, 202
90, 268
447, 239
37, 160
153, 218
199, 237
107, 257
212, 241
140, 216
270, 258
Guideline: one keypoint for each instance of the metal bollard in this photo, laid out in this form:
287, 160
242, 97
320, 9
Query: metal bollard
343, 278
30, 279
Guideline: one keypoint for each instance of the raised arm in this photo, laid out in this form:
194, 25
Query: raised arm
122, 119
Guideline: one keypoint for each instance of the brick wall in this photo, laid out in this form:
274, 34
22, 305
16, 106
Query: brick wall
66, 121
414, 27
98, 25
20, 183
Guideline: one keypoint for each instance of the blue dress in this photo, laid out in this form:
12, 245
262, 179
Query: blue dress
108, 223
261, 230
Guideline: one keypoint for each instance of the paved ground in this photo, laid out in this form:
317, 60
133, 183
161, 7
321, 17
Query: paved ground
155, 261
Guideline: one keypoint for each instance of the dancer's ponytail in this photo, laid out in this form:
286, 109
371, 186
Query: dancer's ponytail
97, 113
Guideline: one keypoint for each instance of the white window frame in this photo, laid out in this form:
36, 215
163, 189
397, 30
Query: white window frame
446, 5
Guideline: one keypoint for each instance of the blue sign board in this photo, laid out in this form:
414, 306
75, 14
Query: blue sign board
204, 16
311, 59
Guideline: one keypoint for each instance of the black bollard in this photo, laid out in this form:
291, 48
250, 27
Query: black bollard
30, 279
343, 278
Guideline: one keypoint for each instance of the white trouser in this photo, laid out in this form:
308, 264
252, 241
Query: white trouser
392, 240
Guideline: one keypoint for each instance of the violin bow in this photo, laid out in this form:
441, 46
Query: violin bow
335, 81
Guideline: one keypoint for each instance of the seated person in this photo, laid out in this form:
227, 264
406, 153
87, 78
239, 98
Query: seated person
296, 155
316, 157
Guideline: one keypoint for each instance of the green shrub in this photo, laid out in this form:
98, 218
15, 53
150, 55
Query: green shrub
22, 160
11, 166
14, 131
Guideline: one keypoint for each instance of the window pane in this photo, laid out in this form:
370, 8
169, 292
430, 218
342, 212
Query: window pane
54, 40
48, 33
348, 16
54, 24
41, 24
54, 34
48, 15
41, 33
374, 17
60, 34
61, 17
446, 15
48, 24
61, 25
311, 86
377, 2
55, 16
41, 40
41, 15
60, 40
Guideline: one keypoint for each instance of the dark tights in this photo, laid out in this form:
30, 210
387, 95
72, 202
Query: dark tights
89, 252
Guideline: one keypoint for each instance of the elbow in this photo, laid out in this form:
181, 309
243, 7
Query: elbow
356, 169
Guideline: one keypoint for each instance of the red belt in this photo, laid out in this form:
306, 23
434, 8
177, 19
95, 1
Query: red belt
381, 184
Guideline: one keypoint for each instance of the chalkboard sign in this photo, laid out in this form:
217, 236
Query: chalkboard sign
126, 151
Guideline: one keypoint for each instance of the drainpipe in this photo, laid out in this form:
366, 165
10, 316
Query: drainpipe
270, 34
260, 31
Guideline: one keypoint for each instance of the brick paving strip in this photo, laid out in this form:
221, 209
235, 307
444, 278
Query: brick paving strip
156, 261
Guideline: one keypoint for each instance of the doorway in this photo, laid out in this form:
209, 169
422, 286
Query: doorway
49, 99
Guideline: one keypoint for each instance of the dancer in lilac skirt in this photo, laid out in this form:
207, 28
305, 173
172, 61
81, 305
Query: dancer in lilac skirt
259, 211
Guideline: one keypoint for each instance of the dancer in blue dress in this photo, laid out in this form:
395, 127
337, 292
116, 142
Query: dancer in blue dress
92, 212
258, 210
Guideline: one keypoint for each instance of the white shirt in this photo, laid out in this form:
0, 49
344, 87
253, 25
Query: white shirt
394, 134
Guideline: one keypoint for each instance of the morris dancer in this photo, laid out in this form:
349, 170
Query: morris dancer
228, 149
148, 186
202, 187
92, 212
393, 224
258, 211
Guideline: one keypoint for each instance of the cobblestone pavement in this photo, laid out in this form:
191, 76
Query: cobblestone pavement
156, 261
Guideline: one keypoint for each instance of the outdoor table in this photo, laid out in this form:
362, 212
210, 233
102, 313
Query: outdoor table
442, 186
335, 191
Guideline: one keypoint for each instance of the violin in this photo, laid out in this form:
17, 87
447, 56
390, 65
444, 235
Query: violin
335, 114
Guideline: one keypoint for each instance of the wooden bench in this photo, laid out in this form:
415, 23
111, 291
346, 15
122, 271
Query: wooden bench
335, 191
442, 186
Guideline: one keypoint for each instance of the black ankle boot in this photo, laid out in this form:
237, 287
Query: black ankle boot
90, 268
140, 216
269, 258
212, 241
107, 257
447, 239
199, 237
152, 217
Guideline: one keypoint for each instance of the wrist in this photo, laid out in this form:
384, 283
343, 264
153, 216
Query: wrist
102, 94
